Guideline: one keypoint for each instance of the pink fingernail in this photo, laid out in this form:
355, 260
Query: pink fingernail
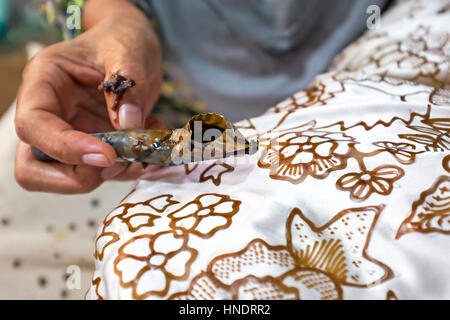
112, 171
95, 159
130, 116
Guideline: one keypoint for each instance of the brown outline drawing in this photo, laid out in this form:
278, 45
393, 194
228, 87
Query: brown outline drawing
96, 284
232, 290
415, 227
126, 206
279, 248
446, 163
203, 178
168, 276
390, 295
368, 184
310, 285
399, 148
284, 164
341, 279
101, 254
218, 180
228, 216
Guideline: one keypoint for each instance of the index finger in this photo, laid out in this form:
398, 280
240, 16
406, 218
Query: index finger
39, 123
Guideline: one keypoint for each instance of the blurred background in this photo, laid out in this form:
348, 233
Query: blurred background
46, 240
20, 22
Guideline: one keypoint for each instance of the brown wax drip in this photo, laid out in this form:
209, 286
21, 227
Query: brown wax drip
118, 85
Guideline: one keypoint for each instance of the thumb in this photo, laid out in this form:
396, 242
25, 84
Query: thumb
131, 88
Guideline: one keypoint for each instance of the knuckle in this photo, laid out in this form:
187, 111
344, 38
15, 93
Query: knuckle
21, 126
33, 64
39, 61
28, 67
22, 178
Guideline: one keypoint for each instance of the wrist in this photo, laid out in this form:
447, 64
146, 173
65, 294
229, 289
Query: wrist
118, 12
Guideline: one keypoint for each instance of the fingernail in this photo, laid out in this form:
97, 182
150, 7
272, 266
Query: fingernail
130, 116
95, 159
112, 171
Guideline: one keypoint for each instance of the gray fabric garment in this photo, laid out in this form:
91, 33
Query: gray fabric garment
241, 57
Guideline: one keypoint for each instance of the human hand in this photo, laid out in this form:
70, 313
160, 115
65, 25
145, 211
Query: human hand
59, 103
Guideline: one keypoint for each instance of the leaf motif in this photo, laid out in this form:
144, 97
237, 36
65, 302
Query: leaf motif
427, 130
431, 212
338, 248
215, 171
439, 123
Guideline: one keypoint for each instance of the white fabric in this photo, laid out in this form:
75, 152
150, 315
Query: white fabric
347, 198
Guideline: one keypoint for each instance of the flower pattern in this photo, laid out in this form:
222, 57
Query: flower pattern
205, 215
103, 241
293, 156
274, 265
403, 152
357, 129
149, 263
294, 284
144, 213
408, 55
135, 215
314, 263
361, 185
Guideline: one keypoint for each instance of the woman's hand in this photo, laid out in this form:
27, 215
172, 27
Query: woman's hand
59, 102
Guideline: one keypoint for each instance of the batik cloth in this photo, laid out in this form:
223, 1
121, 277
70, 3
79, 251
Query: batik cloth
347, 197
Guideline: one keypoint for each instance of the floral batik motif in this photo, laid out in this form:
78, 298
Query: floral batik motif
158, 258
413, 56
293, 156
205, 215
314, 263
134, 216
339, 248
403, 152
347, 197
362, 184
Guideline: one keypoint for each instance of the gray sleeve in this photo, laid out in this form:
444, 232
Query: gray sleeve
144, 6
